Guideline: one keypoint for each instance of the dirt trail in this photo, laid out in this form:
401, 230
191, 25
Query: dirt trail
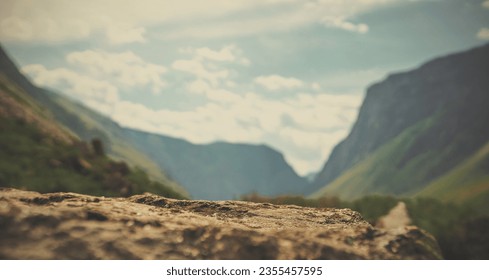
396, 218
74, 226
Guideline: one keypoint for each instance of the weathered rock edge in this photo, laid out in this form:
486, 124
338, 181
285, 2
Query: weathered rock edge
75, 226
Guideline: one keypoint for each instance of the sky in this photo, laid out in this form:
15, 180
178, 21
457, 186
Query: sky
290, 74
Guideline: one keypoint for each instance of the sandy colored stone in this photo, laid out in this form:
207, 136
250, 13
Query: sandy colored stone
74, 226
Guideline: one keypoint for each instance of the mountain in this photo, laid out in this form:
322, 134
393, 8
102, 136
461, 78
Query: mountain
220, 170
214, 171
415, 128
85, 123
311, 176
38, 153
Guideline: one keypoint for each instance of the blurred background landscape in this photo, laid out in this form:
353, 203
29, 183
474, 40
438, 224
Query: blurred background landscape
345, 104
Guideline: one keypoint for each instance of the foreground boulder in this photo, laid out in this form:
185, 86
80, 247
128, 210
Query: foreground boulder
74, 226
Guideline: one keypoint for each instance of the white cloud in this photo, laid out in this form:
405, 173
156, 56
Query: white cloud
125, 21
125, 68
314, 149
78, 86
483, 34
277, 82
122, 21
229, 53
122, 34
15, 28
288, 16
210, 68
223, 55
485, 4
96, 77
239, 27
197, 68
316, 86
345, 25
317, 122
214, 94
304, 126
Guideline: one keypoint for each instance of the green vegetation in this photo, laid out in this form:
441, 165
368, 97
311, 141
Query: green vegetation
40, 150
380, 173
386, 172
468, 183
31, 160
372, 207
461, 232
87, 125
423, 131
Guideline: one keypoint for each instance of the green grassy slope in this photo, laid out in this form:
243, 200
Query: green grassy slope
386, 171
88, 124
84, 123
379, 173
38, 154
468, 183
439, 115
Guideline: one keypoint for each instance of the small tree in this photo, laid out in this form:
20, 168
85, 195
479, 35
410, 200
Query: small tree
98, 147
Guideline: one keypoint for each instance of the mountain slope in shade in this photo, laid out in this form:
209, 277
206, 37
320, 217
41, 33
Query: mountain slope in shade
220, 170
413, 128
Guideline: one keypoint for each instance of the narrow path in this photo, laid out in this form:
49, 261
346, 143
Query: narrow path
397, 217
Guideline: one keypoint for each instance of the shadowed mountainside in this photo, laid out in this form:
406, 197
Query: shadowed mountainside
220, 170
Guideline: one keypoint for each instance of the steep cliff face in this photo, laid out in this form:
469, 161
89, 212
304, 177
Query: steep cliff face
413, 127
220, 170
74, 226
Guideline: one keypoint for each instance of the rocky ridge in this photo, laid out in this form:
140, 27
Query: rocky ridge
75, 226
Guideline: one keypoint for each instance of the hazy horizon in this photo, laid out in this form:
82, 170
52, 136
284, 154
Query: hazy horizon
289, 74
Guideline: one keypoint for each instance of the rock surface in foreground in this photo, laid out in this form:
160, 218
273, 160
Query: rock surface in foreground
74, 226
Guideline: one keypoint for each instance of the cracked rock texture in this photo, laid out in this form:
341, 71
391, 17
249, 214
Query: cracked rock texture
75, 226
